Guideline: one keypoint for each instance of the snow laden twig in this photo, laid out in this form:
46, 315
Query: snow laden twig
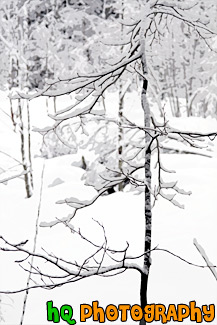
205, 257
103, 261
80, 204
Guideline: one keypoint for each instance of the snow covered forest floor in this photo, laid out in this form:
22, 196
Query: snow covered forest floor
122, 215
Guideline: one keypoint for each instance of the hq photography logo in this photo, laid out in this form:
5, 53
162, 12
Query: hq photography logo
152, 312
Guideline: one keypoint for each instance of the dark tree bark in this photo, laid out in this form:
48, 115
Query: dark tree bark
148, 212
120, 111
148, 209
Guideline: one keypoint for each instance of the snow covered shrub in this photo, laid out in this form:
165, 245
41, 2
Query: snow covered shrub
59, 142
104, 144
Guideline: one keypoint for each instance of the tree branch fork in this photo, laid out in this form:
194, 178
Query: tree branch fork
104, 261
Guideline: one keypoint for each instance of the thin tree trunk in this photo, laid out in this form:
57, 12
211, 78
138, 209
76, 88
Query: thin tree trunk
29, 142
34, 248
173, 106
19, 78
104, 9
27, 85
103, 102
12, 115
120, 132
174, 88
55, 104
170, 89
23, 154
178, 107
13, 83
120, 110
47, 106
186, 89
148, 211
191, 79
175, 95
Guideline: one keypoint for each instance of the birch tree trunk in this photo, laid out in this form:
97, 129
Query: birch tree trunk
120, 131
23, 153
29, 142
148, 211
22, 75
189, 107
12, 115
13, 83
104, 9
174, 87
120, 110
55, 104
24, 82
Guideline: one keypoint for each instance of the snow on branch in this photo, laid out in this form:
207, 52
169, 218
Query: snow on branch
205, 257
9, 178
103, 261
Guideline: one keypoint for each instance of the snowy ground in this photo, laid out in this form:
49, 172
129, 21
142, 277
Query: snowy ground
171, 280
